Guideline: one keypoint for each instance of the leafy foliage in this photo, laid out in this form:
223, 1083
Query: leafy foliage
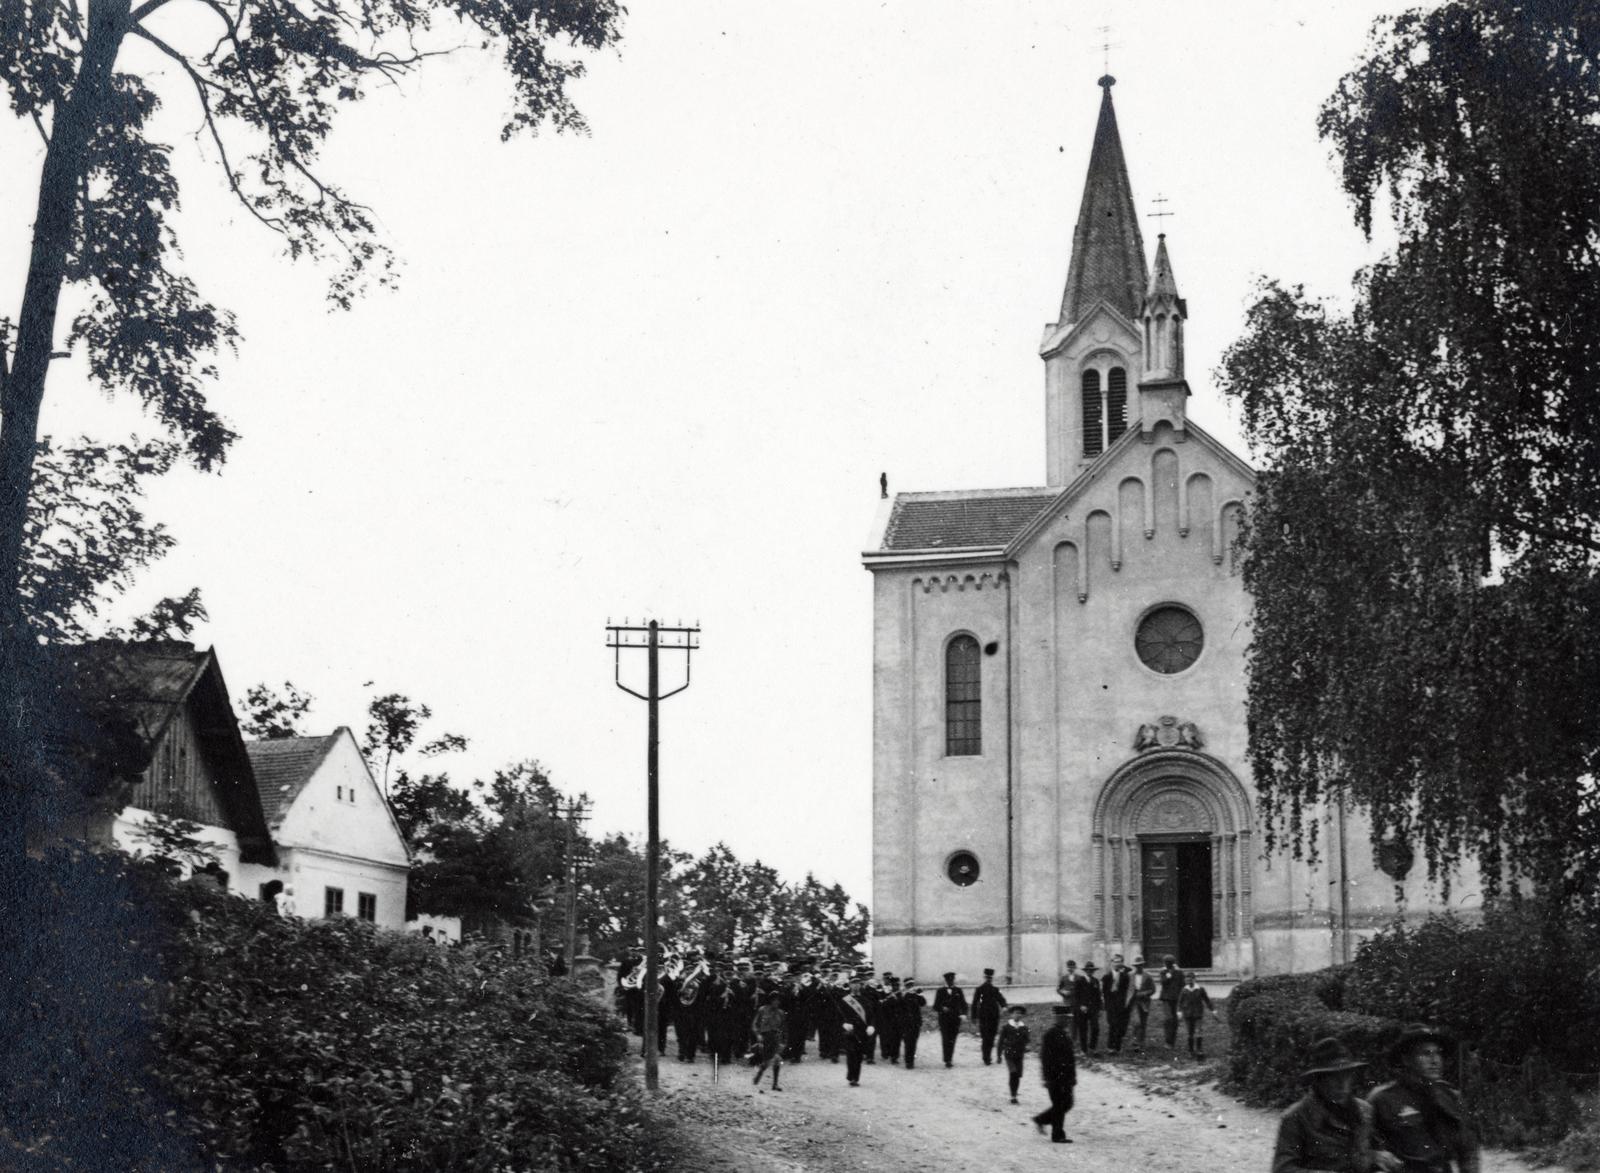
270, 1042
177, 840
271, 715
1421, 546
87, 534
1518, 989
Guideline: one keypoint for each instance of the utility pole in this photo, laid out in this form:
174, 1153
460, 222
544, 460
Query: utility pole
577, 812
649, 637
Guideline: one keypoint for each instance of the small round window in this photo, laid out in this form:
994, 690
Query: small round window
1169, 639
962, 868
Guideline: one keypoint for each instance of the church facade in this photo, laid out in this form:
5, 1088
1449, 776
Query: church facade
1059, 763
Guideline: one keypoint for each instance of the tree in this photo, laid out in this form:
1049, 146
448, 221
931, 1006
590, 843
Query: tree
266, 83
270, 715
1422, 543
611, 896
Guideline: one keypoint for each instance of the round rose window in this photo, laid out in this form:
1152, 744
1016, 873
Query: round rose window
962, 868
1169, 639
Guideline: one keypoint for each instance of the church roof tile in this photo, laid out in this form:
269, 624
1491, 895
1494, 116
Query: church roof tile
962, 520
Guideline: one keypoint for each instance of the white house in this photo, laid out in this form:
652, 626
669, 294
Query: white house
340, 851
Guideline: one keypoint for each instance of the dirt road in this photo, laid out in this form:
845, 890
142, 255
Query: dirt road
933, 1118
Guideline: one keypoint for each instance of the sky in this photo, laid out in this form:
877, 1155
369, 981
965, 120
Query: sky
656, 371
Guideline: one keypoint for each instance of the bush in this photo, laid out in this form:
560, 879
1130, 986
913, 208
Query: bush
1516, 989
1520, 980
1273, 1029
329, 1044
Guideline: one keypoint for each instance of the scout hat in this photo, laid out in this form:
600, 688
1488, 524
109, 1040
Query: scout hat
1414, 1036
1329, 1056
988, 973
1089, 967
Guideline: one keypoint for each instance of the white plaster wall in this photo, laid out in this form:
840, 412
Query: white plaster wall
320, 819
125, 829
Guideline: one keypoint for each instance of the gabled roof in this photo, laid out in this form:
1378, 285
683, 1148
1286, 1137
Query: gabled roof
1107, 248
283, 766
979, 518
125, 694
1062, 497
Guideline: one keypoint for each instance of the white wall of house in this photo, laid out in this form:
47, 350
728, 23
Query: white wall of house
128, 824
339, 834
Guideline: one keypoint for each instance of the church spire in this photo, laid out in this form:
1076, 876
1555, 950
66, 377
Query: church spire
1107, 249
1163, 312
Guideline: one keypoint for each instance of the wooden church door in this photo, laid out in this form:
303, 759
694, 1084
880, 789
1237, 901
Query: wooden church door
1176, 898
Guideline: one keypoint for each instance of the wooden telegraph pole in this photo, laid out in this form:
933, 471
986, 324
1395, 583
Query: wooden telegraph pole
649, 638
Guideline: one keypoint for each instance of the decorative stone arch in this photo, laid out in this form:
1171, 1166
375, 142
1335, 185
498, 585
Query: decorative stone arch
1165, 792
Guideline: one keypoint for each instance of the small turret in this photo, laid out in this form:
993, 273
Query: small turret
1163, 391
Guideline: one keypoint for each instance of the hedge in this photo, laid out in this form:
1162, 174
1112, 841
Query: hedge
1518, 988
260, 1043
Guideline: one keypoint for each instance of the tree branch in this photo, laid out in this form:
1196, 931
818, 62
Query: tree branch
201, 84
1555, 535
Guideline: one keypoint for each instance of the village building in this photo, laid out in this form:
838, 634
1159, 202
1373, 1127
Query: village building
340, 851
1059, 734
161, 729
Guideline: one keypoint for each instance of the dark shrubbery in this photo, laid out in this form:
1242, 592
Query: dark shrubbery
330, 1045
1519, 988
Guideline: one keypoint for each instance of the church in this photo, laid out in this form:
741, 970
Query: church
1059, 735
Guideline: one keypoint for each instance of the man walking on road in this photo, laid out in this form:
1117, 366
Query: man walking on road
1114, 992
950, 1004
1141, 992
859, 1029
987, 1002
1013, 1046
1171, 980
1088, 1014
1060, 1071
1193, 1001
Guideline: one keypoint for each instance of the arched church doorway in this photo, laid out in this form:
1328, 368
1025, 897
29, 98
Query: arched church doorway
1172, 860
1175, 886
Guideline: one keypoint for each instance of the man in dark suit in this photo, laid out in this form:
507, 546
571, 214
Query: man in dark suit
1114, 993
1059, 1067
987, 1002
859, 1023
950, 1004
909, 1006
1088, 1010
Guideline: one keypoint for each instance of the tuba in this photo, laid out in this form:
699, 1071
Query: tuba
691, 984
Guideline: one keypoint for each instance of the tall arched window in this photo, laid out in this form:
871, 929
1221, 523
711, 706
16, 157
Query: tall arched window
1093, 437
963, 704
1117, 402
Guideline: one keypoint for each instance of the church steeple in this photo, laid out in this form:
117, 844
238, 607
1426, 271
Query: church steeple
1092, 354
1107, 249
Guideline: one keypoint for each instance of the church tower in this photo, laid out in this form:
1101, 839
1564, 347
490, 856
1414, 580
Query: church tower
1094, 352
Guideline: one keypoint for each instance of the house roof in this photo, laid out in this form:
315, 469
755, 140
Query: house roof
123, 696
978, 518
283, 766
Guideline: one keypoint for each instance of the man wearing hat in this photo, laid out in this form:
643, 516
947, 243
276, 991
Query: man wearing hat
1013, 1046
950, 1005
987, 1002
1141, 992
1088, 1010
1171, 981
859, 1028
909, 1008
1329, 1128
1060, 1070
889, 1019
1419, 1117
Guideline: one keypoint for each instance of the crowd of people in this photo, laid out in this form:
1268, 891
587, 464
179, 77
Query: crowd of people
766, 1013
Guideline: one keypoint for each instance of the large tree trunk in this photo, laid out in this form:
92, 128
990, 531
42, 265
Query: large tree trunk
23, 712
